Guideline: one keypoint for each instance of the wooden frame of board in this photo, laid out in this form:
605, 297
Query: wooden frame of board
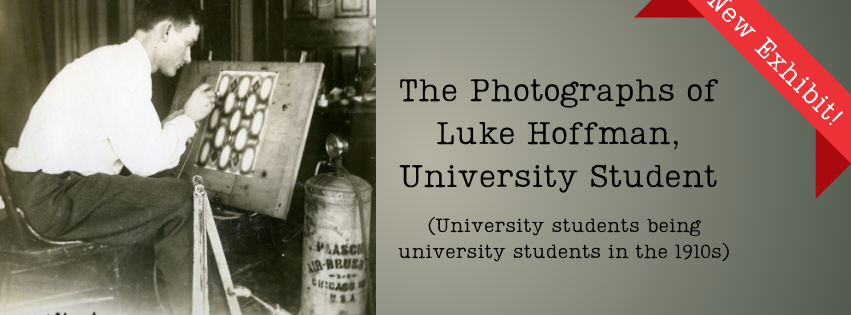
268, 190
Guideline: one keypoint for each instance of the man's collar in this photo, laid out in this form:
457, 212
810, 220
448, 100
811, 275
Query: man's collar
139, 50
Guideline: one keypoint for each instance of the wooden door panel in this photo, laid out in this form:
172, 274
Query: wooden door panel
352, 8
302, 9
338, 33
325, 33
326, 9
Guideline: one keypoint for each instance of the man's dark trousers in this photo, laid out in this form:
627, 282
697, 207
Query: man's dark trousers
117, 210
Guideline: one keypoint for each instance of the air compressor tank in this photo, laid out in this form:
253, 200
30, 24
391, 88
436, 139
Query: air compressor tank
335, 276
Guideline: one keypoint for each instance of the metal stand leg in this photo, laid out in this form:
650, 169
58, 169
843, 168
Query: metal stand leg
200, 295
219, 253
204, 227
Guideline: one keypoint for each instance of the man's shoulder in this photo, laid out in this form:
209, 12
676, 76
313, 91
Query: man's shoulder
108, 54
124, 55
110, 63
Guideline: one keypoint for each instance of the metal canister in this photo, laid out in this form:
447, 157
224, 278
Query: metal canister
334, 274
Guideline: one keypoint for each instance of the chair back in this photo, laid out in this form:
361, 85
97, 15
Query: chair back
15, 232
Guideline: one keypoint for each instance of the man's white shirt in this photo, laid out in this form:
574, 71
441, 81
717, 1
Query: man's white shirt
96, 116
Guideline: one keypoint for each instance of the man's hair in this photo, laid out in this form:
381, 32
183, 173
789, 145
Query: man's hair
149, 13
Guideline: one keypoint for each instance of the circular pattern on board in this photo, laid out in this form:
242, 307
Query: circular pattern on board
244, 83
220, 137
250, 105
265, 89
232, 139
205, 153
224, 158
214, 119
230, 103
247, 160
223, 85
234, 121
241, 139
257, 123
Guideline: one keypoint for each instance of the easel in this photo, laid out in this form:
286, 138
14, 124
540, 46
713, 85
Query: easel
298, 106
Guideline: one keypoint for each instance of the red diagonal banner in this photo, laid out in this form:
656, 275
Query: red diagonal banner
786, 65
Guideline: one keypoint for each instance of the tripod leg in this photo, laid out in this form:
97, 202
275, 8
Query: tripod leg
219, 253
200, 296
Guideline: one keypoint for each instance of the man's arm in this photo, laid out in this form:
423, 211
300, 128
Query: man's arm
172, 116
142, 144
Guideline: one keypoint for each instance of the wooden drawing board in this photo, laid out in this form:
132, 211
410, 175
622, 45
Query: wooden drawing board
266, 186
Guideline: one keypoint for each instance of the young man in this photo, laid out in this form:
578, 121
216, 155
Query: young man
95, 117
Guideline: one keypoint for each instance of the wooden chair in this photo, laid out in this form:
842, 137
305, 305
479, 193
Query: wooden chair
43, 276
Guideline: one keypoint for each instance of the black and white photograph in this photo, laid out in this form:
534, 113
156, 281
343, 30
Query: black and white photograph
188, 157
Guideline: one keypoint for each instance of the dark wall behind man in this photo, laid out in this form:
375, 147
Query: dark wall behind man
23, 72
